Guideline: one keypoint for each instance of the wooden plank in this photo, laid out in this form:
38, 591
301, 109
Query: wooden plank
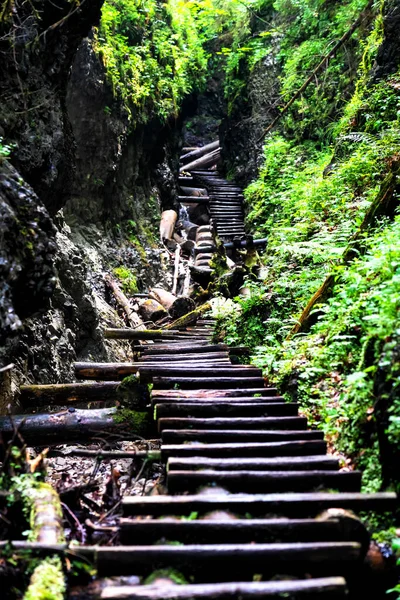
211, 393
263, 481
210, 382
221, 436
210, 401
293, 463
242, 450
302, 505
226, 409
230, 531
328, 588
332, 557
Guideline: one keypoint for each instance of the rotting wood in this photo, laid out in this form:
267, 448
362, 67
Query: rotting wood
132, 317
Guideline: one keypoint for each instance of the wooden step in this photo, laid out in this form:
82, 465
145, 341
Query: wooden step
225, 409
218, 393
328, 588
210, 382
291, 463
210, 401
230, 531
227, 560
299, 505
235, 423
250, 449
264, 482
221, 436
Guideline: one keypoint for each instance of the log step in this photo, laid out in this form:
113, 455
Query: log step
328, 588
299, 505
221, 436
230, 531
219, 393
292, 463
207, 382
230, 559
210, 401
264, 482
221, 409
234, 423
246, 449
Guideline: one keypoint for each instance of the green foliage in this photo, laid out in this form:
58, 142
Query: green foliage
138, 421
5, 149
48, 582
152, 53
127, 279
172, 574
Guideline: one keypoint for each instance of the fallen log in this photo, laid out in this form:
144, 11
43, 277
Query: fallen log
176, 269
192, 191
176, 306
328, 588
198, 152
56, 428
147, 372
191, 317
40, 395
208, 160
163, 297
151, 310
167, 224
150, 455
43, 505
132, 317
144, 334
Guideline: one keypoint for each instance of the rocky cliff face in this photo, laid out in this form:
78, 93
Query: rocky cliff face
75, 202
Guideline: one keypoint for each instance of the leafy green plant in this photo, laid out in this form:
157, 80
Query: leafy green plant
127, 279
152, 53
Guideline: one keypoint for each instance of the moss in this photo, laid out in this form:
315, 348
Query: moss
127, 279
47, 582
171, 574
138, 421
129, 392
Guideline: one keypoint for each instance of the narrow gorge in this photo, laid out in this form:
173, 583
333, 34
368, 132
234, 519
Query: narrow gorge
199, 299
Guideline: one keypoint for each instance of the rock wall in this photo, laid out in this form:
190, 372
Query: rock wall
80, 195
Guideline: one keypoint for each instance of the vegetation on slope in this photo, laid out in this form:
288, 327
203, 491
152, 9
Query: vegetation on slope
313, 192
